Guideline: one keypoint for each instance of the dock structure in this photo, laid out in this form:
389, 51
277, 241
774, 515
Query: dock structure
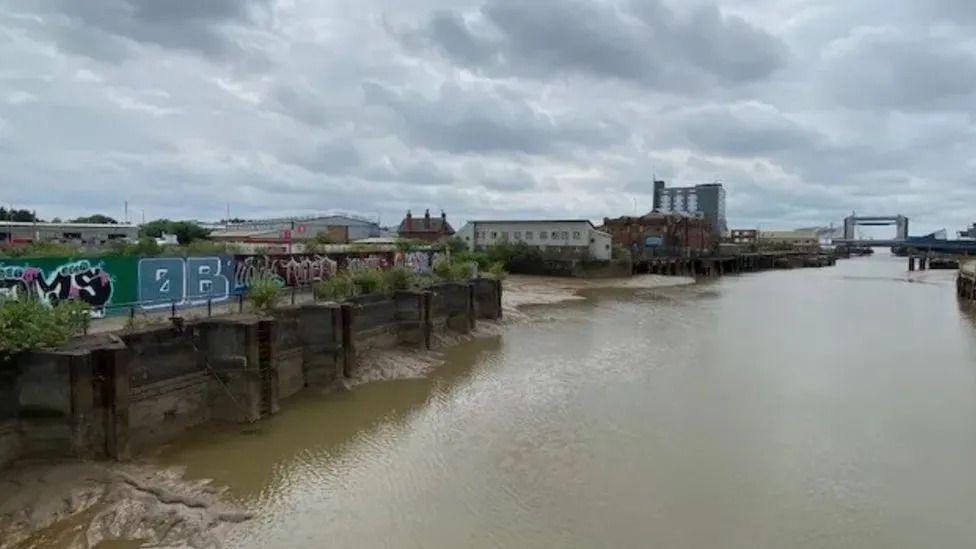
713, 266
932, 260
966, 280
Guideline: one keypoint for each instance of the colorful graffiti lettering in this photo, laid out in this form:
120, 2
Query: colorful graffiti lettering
82, 280
289, 270
165, 281
355, 264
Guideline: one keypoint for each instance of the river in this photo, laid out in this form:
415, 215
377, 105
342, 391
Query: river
815, 408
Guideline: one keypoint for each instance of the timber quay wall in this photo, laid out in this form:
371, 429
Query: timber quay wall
966, 280
712, 266
111, 396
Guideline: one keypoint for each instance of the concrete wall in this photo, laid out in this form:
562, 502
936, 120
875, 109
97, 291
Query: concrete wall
108, 396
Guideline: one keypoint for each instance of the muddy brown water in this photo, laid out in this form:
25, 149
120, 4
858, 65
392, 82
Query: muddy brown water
820, 408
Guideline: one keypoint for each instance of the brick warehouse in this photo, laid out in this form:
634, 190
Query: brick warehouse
665, 231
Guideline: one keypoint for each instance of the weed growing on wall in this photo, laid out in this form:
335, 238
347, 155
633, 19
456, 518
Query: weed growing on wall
263, 294
398, 279
337, 288
369, 281
28, 324
497, 271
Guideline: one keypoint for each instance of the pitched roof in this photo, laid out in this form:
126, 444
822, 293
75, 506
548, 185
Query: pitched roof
416, 225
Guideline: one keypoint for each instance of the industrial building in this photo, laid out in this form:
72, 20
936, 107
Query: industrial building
13, 233
707, 201
289, 234
658, 232
566, 238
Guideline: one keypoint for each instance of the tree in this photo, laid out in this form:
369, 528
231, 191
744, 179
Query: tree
17, 215
97, 218
457, 245
185, 231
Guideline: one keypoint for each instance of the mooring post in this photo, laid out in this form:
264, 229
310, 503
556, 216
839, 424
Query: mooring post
349, 358
911, 263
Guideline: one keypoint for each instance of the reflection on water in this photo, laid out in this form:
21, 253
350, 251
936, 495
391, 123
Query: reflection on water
809, 408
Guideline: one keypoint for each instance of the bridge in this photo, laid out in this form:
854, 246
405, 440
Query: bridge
851, 223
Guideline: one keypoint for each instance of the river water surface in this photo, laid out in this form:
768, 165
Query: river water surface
816, 408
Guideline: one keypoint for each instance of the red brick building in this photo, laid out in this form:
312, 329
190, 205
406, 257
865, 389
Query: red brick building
426, 228
661, 231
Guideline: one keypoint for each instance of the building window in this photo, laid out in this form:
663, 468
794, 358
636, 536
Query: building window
528, 235
555, 235
577, 235
504, 235
564, 235
517, 235
72, 236
116, 236
494, 235
543, 235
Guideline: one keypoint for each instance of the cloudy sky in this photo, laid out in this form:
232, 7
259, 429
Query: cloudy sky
804, 109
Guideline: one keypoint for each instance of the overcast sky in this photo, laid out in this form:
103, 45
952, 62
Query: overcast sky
804, 109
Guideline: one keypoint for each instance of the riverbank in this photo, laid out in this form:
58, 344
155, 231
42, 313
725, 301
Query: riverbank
72, 504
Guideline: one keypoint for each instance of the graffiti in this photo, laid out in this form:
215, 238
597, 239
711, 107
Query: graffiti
289, 270
251, 268
165, 281
301, 271
81, 280
354, 264
418, 262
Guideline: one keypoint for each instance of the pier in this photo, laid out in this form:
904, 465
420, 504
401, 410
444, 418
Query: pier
713, 266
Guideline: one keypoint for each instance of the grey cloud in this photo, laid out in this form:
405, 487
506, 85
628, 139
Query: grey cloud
745, 130
886, 69
461, 121
100, 29
640, 41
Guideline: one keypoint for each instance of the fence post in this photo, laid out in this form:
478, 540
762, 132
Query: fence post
132, 312
293, 288
240, 302
172, 309
209, 307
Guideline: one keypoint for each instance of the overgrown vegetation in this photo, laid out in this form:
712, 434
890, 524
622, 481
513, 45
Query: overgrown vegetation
337, 288
369, 281
41, 249
185, 231
29, 324
263, 294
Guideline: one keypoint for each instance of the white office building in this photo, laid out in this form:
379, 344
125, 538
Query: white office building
576, 238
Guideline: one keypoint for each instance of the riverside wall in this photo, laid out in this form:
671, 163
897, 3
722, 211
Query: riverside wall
115, 395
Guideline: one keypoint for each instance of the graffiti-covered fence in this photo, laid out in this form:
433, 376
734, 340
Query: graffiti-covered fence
120, 283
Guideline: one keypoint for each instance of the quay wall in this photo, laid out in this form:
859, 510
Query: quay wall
115, 395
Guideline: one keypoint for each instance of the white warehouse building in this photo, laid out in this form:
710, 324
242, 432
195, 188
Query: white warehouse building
576, 238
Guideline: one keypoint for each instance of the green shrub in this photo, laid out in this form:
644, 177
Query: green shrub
497, 271
263, 294
398, 279
462, 271
480, 258
41, 249
337, 288
442, 269
369, 281
29, 324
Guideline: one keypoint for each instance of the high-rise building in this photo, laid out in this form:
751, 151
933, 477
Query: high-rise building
707, 201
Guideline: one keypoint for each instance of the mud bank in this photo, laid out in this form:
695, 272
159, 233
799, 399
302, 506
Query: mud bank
79, 505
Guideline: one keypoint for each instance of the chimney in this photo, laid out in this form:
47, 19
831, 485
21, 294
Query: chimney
443, 217
427, 219
409, 226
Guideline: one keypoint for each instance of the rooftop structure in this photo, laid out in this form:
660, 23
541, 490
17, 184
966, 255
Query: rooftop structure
88, 234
